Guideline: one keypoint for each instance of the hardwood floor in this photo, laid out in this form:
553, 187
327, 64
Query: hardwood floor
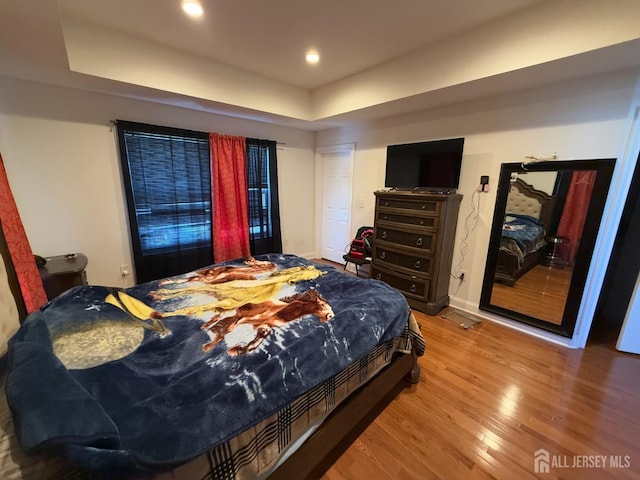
489, 397
540, 293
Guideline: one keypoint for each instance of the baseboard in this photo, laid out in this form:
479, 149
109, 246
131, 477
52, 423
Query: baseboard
307, 256
472, 308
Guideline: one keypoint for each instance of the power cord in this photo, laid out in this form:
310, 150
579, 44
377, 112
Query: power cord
464, 245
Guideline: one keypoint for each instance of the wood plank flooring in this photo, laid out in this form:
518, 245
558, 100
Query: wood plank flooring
540, 293
489, 397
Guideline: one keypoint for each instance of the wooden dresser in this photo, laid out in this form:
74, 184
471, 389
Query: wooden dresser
413, 245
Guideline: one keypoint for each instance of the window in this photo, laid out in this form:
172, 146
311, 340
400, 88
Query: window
262, 184
167, 180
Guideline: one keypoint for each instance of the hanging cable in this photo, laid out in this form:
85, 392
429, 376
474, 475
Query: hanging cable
474, 216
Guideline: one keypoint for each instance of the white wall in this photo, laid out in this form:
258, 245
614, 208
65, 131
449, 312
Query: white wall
61, 157
583, 119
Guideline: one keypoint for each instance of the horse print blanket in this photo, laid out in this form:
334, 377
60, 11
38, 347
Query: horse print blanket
137, 380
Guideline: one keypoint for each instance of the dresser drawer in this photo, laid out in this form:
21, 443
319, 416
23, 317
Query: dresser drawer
407, 218
415, 287
413, 245
409, 237
408, 263
418, 204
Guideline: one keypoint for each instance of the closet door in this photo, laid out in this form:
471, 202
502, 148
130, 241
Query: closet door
337, 179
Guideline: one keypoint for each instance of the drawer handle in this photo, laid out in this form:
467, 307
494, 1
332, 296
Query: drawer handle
413, 288
384, 234
421, 222
423, 206
385, 217
379, 276
386, 204
419, 242
418, 265
383, 255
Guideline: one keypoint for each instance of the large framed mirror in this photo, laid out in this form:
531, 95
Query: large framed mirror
544, 229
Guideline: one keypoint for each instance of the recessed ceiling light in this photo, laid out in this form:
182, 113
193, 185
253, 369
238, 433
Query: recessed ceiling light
313, 57
192, 8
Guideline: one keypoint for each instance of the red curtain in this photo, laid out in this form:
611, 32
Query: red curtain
229, 197
574, 213
19, 248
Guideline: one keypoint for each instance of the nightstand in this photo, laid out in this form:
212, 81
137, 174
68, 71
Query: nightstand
62, 272
552, 257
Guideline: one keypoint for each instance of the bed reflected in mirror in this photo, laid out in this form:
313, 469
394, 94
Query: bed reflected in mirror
545, 224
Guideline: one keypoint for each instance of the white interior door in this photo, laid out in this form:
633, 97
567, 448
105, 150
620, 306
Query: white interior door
337, 178
629, 339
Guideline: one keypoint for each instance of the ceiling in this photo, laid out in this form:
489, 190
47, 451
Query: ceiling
378, 57
270, 38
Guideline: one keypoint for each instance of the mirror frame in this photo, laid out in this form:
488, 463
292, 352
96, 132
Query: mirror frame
604, 172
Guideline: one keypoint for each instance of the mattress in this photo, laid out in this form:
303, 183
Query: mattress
161, 403
254, 453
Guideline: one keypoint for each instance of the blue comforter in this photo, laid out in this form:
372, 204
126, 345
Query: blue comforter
524, 229
146, 378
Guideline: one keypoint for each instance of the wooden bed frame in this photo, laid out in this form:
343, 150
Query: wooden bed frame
338, 431
348, 421
527, 201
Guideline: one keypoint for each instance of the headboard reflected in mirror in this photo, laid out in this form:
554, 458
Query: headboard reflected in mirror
524, 199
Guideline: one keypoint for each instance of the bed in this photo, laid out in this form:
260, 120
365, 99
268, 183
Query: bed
300, 384
522, 245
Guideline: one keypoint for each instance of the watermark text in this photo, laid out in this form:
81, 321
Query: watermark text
543, 461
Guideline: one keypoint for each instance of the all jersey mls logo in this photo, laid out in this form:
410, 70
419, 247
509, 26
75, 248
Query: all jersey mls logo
543, 461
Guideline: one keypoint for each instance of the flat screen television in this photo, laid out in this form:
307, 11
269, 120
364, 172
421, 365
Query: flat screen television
432, 166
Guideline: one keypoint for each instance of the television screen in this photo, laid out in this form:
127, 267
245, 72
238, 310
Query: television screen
433, 165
